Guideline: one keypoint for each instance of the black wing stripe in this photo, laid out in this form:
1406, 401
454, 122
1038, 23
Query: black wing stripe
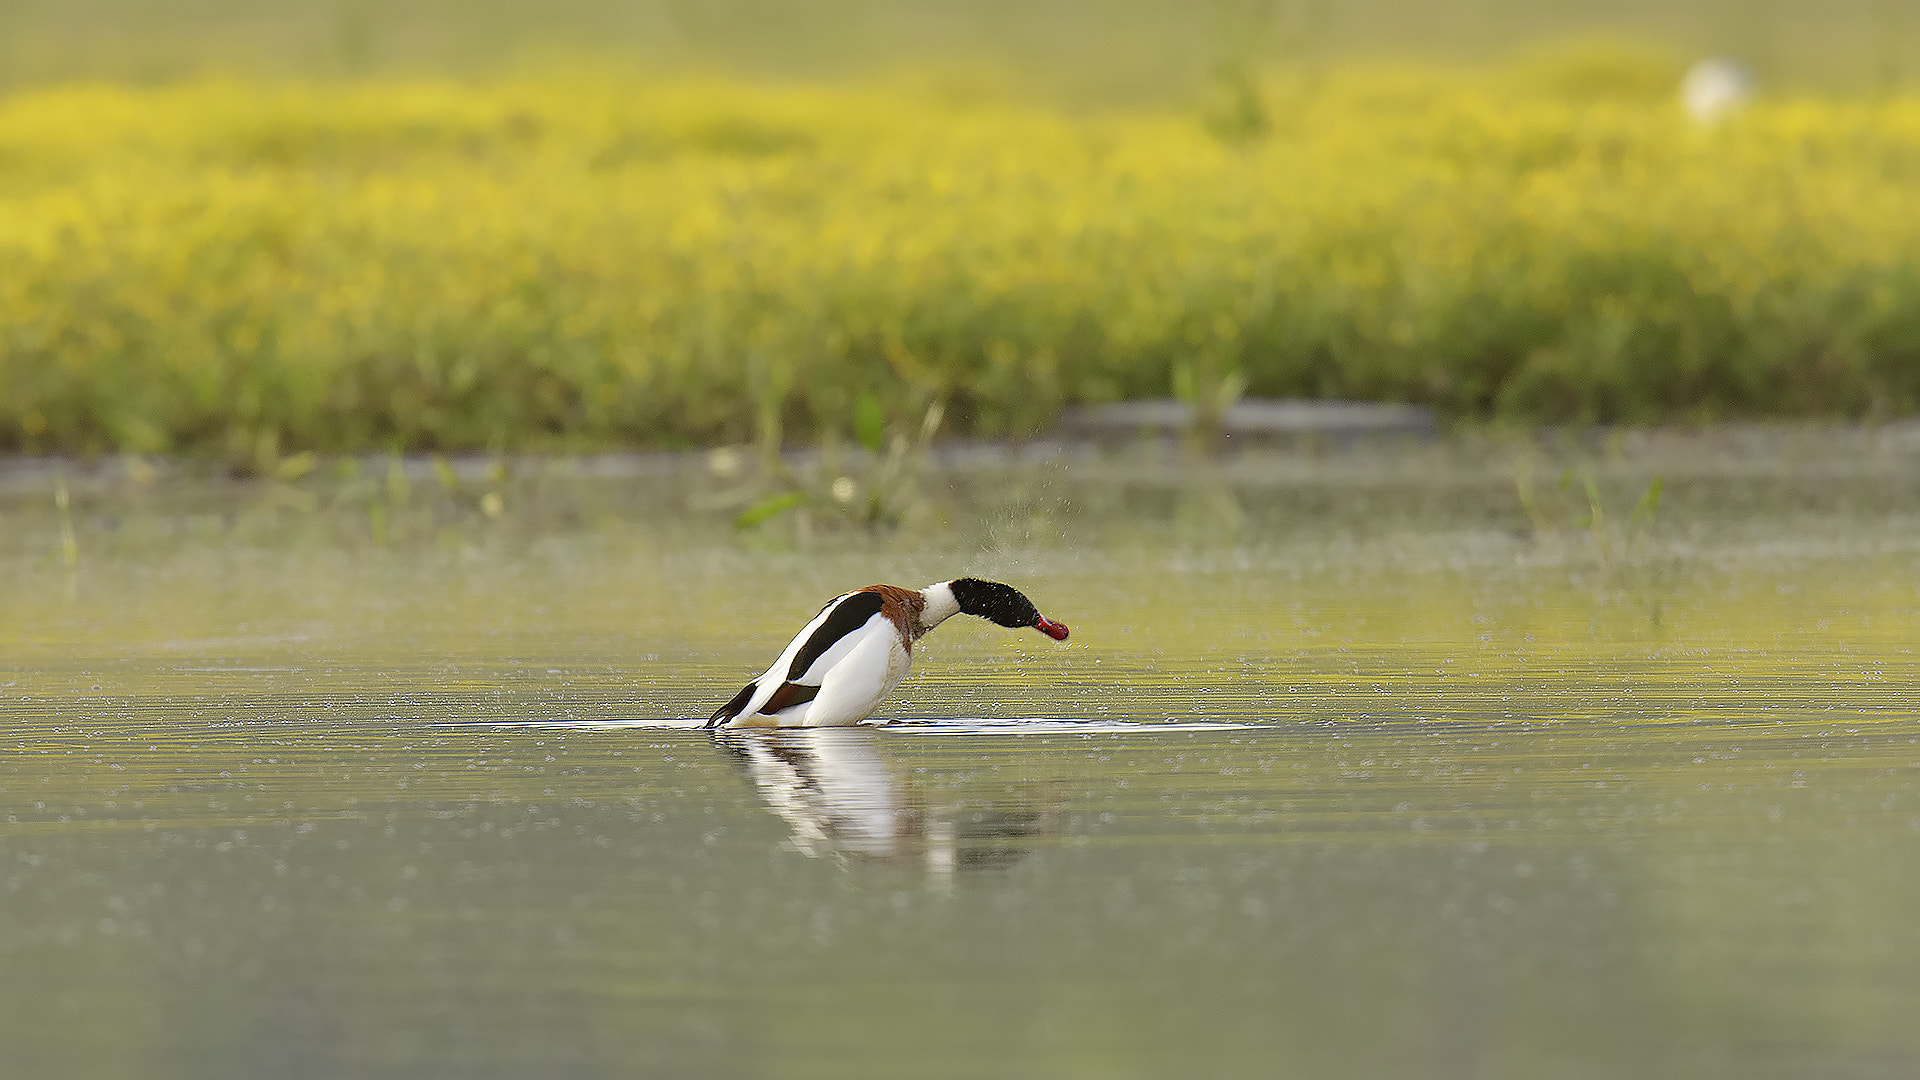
851, 615
789, 695
732, 708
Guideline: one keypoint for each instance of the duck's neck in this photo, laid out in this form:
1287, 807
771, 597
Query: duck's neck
940, 605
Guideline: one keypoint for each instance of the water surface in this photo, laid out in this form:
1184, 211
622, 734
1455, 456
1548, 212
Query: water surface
1356, 765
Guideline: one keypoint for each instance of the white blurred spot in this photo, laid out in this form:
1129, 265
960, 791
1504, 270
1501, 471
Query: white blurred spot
1715, 88
724, 461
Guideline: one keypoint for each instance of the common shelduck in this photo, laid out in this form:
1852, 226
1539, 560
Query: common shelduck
839, 666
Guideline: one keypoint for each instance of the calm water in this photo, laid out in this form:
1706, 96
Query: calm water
1356, 765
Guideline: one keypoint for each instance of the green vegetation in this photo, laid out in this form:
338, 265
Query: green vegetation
586, 259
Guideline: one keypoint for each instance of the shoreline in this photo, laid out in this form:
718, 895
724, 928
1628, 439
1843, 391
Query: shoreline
1744, 448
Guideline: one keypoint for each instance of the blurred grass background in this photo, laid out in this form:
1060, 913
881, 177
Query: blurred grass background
1104, 50
245, 230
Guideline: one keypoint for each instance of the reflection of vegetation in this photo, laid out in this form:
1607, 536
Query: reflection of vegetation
875, 485
1211, 389
389, 498
1207, 509
63, 506
1610, 541
1576, 504
586, 261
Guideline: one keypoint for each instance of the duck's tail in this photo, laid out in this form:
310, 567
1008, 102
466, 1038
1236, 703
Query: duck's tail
732, 708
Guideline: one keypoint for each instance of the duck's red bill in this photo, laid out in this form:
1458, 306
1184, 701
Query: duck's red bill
1054, 630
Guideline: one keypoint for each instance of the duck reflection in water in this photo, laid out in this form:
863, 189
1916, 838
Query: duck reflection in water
843, 801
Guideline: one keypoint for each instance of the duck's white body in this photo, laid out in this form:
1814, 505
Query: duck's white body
850, 656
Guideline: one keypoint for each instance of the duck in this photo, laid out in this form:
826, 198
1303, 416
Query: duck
849, 657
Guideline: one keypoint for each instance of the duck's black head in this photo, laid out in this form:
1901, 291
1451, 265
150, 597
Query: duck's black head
1002, 604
